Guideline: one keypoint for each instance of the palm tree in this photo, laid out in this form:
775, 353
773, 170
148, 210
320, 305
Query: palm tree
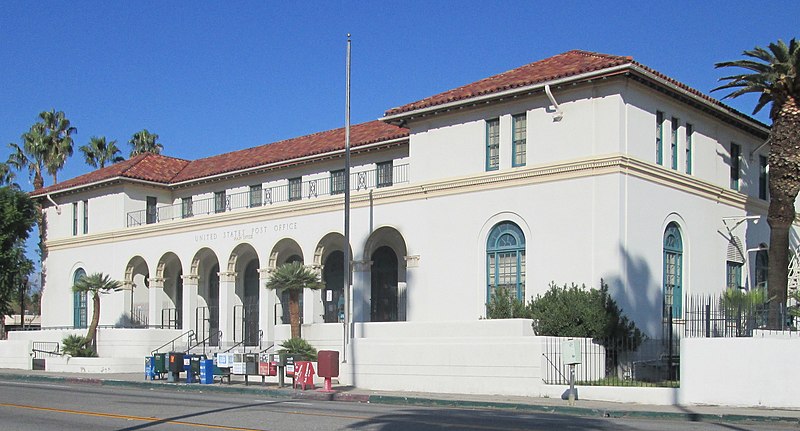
145, 142
97, 283
774, 76
293, 278
7, 176
58, 131
31, 155
98, 152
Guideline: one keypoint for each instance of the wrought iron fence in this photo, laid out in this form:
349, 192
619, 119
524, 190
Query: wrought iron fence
628, 361
722, 316
308, 189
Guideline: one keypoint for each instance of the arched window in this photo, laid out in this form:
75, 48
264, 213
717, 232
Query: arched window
505, 260
673, 271
79, 302
762, 263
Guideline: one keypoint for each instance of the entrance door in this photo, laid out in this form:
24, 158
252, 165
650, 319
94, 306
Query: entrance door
333, 296
213, 305
251, 304
384, 285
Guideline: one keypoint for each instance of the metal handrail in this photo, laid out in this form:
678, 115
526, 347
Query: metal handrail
203, 342
190, 333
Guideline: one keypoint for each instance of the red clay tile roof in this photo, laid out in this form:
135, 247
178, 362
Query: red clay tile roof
170, 170
148, 167
294, 148
570, 63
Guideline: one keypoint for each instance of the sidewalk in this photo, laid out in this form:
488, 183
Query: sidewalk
350, 394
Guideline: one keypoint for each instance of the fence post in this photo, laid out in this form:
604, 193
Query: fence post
708, 320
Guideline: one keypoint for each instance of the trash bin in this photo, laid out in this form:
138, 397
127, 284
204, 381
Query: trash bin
206, 371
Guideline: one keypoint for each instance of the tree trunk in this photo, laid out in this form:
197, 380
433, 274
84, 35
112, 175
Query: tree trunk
294, 312
784, 184
91, 336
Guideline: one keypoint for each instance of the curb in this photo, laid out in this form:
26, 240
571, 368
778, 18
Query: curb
344, 396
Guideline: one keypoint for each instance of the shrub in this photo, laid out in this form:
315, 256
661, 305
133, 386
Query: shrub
75, 346
502, 305
299, 348
572, 311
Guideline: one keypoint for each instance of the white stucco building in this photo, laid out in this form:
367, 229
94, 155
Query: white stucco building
574, 168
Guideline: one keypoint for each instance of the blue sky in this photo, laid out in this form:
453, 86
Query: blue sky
211, 77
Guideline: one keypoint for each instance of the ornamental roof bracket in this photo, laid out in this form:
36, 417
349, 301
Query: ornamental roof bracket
559, 114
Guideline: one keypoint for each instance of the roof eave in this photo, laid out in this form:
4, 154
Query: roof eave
95, 184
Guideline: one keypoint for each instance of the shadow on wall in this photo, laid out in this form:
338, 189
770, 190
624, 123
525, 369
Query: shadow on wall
639, 296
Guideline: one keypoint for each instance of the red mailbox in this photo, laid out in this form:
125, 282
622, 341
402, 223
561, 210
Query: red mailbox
328, 367
328, 363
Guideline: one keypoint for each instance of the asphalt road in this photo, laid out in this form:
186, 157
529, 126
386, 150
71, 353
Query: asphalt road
46, 407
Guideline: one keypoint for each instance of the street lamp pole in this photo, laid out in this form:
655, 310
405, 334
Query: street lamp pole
347, 257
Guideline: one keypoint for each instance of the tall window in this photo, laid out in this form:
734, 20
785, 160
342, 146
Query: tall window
763, 185
492, 144
150, 212
673, 271
734, 264
186, 207
736, 160
337, 182
255, 196
762, 265
659, 137
79, 302
295, 189
689, 138
384, 173
505, 261
86, 217
674, 143
519, 127
220, 202
74, 218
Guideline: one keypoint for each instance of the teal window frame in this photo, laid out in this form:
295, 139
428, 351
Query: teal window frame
85, 217
762, 269
733, 275
493, 144
79, 303
220, 202
337, 182
186, 207
763, 184
505, 260
74, 218
673, 271
689, 139
295, 189
736, 164
519, 132
383, 174
659, 137
674, 143
256, 195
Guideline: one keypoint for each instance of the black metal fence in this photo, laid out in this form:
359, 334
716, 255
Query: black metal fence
614, 362
722, 316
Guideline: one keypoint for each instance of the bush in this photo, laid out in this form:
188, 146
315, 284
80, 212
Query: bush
76, 346
503, 306
577, 312
299, 348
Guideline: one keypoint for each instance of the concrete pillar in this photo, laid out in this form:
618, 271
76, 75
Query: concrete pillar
190, 296
156, 301
266, 308
227, 293
361, 289
127, 298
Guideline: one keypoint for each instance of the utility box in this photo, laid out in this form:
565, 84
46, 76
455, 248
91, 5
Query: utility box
571, 351
328, 363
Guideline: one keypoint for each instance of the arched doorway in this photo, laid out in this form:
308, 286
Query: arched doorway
333, 296
250, 304
285, 318
211, 315
384, 285
137, 276
170, 271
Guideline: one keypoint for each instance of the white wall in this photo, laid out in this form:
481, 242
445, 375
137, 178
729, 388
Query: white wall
740, 371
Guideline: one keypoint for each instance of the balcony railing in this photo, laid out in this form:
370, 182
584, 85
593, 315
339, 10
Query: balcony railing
309, 189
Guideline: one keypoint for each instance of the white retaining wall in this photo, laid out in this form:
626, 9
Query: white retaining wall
741, 371
16, 354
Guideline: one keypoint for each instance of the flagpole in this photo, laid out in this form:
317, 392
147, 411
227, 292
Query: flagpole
347, 257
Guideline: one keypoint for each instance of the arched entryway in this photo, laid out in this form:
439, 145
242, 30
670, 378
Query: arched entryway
245, 264
205, 266
137, 281
329, 257
286, 251
170, 272
386, 249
